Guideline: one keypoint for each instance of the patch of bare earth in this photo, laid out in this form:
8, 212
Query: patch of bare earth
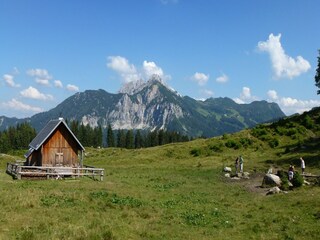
253, 184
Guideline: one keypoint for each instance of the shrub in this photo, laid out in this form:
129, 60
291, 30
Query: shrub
216, 147
280, 130
291, 132
308, 122
284, 180
297, 180
196, 152
274, 142
232, 144
259, 131
246, 142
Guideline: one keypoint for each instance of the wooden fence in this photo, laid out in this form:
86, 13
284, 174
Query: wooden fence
20, 171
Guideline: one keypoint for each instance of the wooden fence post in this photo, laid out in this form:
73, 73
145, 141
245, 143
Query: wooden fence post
19, 173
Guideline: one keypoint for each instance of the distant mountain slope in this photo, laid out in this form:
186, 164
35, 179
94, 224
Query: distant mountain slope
152, 105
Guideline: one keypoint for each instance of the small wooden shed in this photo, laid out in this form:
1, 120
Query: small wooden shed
55, 146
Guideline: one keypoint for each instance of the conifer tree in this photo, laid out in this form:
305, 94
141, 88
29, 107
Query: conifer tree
138, 141
121, 138
129, 139
110, 137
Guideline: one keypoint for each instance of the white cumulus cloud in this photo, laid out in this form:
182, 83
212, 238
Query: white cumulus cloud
222, 79
200, 78
72, 88
41, 76
121, 65
150, 68
245, 96
291, 105
58, 84
17, 105
129, 72
34, 93
207, 93
272, 94
283, 65
9, 79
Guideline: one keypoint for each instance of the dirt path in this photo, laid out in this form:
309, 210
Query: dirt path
253, 184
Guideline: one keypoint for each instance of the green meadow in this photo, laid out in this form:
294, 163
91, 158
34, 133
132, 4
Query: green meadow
175, 191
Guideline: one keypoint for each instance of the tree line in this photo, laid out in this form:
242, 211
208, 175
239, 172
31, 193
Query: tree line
100, 137
17, 137
20, 136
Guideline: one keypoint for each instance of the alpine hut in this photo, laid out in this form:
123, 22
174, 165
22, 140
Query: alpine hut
55, 146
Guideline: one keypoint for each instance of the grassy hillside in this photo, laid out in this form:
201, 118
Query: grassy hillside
175, 191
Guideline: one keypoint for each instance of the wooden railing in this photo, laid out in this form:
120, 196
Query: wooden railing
19, 171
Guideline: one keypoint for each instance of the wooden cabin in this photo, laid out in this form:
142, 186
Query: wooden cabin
55, 146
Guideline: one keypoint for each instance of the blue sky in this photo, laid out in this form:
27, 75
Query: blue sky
245, 50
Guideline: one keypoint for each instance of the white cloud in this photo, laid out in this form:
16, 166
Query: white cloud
58, 84
222, 79
245, 96
34, 93
17, 105
272, 94
283, 65
121, 65
200, 78
239, 101
128, 72
44, 82
72, 88
246, 93
41, 76
207, 93
150, 68
291, 105
9, 79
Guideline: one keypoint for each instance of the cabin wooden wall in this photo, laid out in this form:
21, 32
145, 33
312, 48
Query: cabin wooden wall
34, 159
60, 149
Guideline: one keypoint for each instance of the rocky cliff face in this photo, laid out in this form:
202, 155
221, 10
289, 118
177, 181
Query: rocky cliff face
153, 105
143, 106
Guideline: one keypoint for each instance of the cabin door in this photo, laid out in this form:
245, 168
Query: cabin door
59, 159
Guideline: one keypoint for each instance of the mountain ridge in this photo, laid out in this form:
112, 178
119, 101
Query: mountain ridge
152, 105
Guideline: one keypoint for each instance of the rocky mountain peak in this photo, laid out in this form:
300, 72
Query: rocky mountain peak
134, 87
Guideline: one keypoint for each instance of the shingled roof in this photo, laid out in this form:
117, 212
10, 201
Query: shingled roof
46, 132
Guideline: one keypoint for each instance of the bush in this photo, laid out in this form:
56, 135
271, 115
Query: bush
308, 122
284, 180
297, 180
216, 147
291, 132
259, 131
274, 142
196, 152
232, 144
246, 142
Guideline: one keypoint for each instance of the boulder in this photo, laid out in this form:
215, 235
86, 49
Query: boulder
246, 175
235, 178
274, 190
271, 180
227, 169
306, 183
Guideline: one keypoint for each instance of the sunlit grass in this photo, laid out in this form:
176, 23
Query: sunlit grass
160, 193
